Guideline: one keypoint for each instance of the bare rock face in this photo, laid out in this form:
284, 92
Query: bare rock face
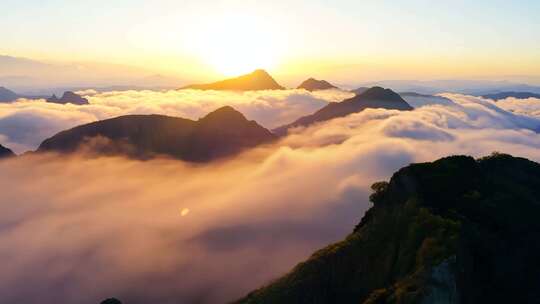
375, 97
219, 134
316, 85
68, 97
257, 80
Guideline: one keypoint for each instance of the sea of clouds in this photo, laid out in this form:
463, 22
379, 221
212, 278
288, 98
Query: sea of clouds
26, 123
78, 230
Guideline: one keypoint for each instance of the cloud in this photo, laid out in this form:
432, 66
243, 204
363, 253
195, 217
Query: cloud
529, 106
78, 230
27, 123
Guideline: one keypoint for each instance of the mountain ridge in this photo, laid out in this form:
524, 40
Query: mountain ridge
221, 133
504, 95
68, 97
254, 81
313, 84
456, 230
375, 97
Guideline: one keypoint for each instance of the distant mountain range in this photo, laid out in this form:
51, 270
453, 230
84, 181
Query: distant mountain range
312, 84
375, 97
518, 95
469, 87
5, 152
7, 96
257, 80
457, 230
68, 97
219, 134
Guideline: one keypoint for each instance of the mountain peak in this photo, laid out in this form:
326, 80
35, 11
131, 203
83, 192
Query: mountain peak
68, 97
379, 93
254, 81
221, 133
260, 72
313, 84
374, 98
223, 115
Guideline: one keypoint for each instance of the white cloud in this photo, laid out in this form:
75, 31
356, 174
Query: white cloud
529, 106
27, 123
79, 230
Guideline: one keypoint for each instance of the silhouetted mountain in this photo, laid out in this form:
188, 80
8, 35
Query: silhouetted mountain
257, 80
5, 152
315, 85
504, 95
375, 97
7, 95
457, 230
68, 97
111, 301
221, 133
360, 90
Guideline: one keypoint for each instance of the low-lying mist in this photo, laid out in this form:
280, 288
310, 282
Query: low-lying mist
78, 230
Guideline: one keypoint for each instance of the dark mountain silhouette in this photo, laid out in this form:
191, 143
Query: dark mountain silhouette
375, 97
5, 152
68, 97
360, 90
7, 95
257, 80
457, 230
111, 301
315, 85
504, 95
221, 133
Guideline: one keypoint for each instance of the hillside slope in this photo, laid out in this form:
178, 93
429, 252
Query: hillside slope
375, 97
457, 230
221, 133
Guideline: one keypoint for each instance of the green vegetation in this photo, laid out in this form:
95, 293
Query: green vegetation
457, 230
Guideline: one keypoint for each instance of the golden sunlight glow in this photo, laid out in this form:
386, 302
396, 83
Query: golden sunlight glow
235, 44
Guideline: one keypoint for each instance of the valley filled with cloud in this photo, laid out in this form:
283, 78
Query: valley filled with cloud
78, 230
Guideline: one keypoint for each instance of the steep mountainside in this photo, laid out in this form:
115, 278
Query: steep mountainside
257, 80
5, 152
221, 133
375, 97
457, 230
315, 85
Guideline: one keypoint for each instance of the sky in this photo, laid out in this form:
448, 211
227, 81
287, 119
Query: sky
204, 39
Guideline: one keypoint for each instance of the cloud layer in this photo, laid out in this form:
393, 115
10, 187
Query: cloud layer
78, 230
25, 124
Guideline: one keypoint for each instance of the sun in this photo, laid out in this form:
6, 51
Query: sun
234, 45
